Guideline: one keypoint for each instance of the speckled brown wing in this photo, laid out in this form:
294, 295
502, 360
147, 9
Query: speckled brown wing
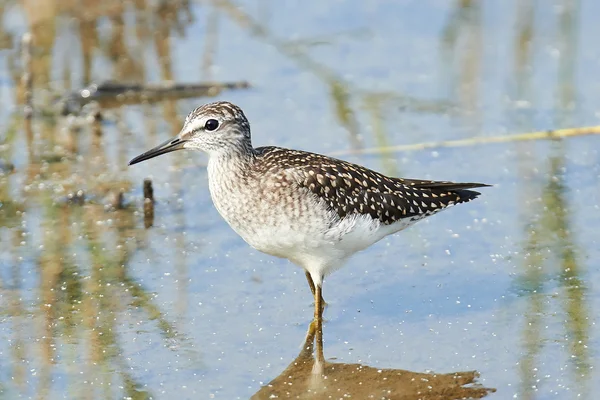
349, 188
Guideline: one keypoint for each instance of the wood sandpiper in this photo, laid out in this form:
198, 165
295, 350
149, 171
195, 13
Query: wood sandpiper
314, 210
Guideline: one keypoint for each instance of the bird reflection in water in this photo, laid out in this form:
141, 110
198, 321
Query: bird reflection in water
309, 376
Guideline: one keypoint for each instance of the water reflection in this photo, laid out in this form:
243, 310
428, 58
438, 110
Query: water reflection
69, 289
552, 259
309, 376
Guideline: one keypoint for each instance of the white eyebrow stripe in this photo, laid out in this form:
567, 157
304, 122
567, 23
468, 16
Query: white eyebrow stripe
195, 125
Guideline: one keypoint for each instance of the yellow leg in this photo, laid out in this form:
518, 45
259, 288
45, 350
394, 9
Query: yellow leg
311, 284
319, 321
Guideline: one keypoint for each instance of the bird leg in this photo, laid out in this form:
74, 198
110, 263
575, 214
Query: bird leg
318, 303
316, 326
319, 321
311, 284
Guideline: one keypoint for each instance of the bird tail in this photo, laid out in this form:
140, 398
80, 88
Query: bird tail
443, 187
466, 195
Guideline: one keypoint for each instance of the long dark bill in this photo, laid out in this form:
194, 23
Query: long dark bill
166, 147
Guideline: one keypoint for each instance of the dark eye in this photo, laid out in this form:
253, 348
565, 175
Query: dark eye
211, 125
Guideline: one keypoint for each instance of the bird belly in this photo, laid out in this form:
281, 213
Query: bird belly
324, 249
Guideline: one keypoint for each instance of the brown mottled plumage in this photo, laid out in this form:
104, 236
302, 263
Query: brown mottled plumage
349, 188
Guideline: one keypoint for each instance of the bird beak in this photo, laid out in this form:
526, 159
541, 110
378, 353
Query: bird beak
166, 147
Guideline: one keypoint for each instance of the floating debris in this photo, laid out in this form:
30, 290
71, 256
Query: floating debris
76, 198
148, 190
112, 94
148, 203
115, 200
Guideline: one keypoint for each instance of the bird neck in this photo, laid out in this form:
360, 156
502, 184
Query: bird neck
231, 164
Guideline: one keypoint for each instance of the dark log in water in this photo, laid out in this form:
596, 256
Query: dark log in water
115, 94
148, 203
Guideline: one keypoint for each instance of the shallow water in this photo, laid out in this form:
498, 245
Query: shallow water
95, 305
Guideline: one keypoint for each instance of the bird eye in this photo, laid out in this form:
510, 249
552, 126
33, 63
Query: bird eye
211, 125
